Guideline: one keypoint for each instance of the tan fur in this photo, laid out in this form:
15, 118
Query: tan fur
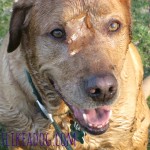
88, 49
146, 87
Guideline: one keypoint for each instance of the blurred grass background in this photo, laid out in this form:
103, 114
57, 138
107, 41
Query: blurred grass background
140, 31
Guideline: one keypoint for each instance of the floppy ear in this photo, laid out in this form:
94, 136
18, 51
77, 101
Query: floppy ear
20, 10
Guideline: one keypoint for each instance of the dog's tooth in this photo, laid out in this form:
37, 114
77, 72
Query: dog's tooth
91, 125
85, 117
99, 126
110, 114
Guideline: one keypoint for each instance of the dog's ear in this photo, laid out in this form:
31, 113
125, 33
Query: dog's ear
20, 11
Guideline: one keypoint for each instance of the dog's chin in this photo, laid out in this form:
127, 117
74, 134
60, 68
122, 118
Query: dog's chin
94, 121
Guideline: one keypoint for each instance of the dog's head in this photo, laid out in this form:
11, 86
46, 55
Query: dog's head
80, 47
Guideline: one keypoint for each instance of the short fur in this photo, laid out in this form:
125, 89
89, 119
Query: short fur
93, 50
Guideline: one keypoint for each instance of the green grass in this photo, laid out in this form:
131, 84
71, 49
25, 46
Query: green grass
140, 28
5, 10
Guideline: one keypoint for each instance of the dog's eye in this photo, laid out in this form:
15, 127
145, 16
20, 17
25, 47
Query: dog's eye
114, 26
58, 33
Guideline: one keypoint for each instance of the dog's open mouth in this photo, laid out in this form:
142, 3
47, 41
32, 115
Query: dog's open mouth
94, 121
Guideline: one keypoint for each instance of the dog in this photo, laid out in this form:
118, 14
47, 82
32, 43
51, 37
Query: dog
84, 66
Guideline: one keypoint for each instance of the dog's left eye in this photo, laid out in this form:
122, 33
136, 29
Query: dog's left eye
58, 33
114, 26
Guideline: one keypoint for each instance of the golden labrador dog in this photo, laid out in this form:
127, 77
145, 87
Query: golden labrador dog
82, 63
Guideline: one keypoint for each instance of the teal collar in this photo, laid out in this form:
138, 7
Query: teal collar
46, 113
75, 128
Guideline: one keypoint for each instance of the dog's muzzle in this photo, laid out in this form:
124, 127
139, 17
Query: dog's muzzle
102, 89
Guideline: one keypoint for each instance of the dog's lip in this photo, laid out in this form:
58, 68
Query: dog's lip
94, 121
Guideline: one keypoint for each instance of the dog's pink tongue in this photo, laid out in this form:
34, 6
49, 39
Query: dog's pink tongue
97, 117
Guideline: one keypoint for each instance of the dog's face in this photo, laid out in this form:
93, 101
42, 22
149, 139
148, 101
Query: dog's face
80, 46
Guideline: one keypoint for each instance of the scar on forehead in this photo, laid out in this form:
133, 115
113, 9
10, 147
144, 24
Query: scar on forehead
87, 19
88, 22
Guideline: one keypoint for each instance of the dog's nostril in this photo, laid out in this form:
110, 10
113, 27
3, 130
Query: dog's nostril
111, 89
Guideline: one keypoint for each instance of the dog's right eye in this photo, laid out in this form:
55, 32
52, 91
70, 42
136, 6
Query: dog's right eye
58, 34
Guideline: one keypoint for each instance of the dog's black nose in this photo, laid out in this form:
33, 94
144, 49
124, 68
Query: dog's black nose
101, 87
